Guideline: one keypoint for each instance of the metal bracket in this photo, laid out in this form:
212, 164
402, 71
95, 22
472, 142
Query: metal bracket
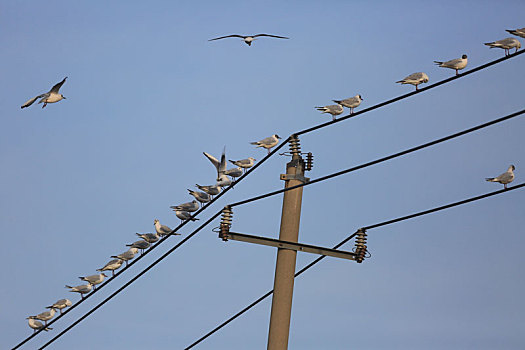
299, 177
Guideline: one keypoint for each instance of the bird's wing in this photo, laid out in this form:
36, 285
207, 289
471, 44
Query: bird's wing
58, 86
222, 165
273, 36
31, 101
228, 36
213, 160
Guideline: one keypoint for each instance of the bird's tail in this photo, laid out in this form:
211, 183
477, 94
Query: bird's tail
175, 233
82, 277
438, 62
114, 257
68, 286
489, 44
490, 179
100, 270
138, 234
321, 109
401, 81
194, 219
48, 329
513, 32
254, 143
336, 101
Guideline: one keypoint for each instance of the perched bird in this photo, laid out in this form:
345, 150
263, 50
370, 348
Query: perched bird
331, 109
248, 39
36, 325
212, 190
351, 102
163, 230
518, 32
415, 79
49, 97
112, 266
61, 304
223, 181
46, 315
244, 163
149, 237
506, 44
94, 279
268, 142
200, 196
82, 289
456, 64
234, 172
127, 255
184, 215
140, 245
190, 206
505, 178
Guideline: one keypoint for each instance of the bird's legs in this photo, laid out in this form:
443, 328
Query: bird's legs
45, 104
457, 73
505, 186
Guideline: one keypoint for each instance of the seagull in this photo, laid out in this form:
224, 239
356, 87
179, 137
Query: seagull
163, 230
190, 206
248, 39
36, 325
46, 315
268, 142
127, 255
331, 109
517, 32
234, 172
223, 181
82, 289
244, 163
94, 279
112, 266
149, 237
457, 63
61, 304
200, 196
141, 245
49, 97
506, 44
220, 166
415, 79
184, 215
505, 178
350, 102
212, 190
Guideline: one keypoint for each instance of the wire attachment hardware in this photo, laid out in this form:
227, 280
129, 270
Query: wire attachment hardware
226, 223
295, 146
360, 245
309, 161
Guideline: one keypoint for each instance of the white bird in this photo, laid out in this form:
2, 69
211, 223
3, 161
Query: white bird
190, 206
184, 215
82, 289
223, 181
94, 279
506, 44
140, 245
351, 102
248, 39
163, 230
244, 163
36, 325
61, 304
112, 266
234, 172
456, 64
219, 165
414, 79
200, 196
51, 96
268, 142
331, 109
149, 237
127, 255
505, 178
46, 315
212, 190
518, 32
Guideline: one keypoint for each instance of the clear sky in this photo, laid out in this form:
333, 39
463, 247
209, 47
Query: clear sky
147, 94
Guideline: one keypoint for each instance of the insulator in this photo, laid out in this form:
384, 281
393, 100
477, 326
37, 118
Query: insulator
226, 222
309, 161
360, 245
295, 147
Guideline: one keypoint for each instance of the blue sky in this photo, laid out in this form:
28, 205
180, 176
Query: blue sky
147, 94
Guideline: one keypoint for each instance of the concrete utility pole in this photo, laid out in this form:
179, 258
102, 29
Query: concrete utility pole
286, 258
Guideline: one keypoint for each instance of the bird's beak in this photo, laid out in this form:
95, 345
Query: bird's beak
64, 97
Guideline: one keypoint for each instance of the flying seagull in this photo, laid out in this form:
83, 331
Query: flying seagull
414, 79
49, 97
506, 44
518, 32
456, 64
351, 102
248, 38
505, 178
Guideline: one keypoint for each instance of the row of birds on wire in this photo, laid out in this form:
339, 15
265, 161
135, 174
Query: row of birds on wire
227, 177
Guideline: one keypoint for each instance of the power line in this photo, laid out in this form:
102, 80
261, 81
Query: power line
384, 159
384, 223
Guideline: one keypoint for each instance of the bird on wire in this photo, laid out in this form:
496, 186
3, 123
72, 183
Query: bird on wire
456, 64
505, 178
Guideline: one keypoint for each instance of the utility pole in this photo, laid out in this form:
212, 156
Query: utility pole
286, 258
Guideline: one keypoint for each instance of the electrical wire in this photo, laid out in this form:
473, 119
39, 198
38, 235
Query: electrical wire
384, 223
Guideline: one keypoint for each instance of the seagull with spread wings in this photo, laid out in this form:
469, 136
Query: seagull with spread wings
51, 96
249, 38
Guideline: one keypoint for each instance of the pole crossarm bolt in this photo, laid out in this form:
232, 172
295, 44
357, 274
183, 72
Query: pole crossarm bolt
360, 245
226, 223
